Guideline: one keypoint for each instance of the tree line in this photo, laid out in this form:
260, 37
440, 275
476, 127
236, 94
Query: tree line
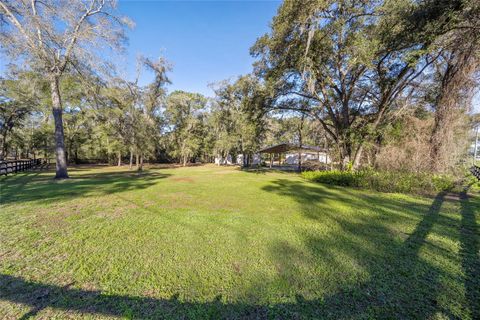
385, 83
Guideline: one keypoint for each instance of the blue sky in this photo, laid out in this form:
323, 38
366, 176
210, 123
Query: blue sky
206, 41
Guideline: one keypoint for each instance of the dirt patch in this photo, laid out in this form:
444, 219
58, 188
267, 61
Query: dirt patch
172, 165
452, 197
237, 267
55, 219
227, 171
183, 179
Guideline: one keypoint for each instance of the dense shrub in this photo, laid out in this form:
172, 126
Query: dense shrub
336, 177
384, 181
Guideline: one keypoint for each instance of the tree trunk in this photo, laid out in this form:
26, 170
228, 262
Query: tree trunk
131, 160
300, 160
4, 148
137, 161
442, 135
76, 155
4, 145
345, 154
57, 110
476, 145
140, 167
455, 94
119, 159
358, 157
300, 143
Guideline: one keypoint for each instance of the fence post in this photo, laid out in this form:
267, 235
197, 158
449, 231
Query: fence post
16, 166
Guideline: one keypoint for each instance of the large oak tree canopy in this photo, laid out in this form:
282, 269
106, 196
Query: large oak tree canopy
54, 37
348, 63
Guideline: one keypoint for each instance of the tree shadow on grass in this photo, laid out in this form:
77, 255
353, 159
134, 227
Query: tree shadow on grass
401, 282
400, 286
40, 296
470, 252
33, 186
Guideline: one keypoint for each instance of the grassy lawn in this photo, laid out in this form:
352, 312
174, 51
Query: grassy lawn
209, 242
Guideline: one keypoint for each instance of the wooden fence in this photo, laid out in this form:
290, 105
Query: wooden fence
475, 170
14, 166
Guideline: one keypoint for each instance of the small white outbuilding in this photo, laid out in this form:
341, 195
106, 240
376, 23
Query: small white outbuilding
219, 160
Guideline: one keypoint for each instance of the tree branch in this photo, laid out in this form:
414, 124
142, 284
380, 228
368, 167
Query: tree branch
17, 24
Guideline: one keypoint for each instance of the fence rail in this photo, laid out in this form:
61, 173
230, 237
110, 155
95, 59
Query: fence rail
475, 170
14, 166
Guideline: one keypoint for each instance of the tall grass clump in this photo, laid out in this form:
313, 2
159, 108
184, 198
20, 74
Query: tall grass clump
384, 181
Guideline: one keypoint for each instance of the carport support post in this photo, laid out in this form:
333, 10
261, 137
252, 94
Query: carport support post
271, 159
300, 160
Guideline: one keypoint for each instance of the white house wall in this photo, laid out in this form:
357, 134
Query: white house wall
222, 161
292, 158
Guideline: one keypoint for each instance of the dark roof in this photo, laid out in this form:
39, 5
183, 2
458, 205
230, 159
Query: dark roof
285, 147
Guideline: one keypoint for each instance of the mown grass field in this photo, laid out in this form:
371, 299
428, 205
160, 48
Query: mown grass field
210, 243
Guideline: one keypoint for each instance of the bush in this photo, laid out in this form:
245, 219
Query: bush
336, 177
384, 181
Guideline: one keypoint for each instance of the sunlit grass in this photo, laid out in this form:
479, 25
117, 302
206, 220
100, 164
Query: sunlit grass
217, 242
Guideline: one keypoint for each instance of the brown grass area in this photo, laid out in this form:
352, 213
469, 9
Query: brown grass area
183, 179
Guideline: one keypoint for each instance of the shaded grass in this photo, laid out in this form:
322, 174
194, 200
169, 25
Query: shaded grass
470, 253
209, 242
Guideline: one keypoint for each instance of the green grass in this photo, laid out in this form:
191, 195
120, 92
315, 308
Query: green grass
210, 242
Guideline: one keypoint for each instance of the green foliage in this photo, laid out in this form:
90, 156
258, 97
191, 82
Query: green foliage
22, 99
335, 177
184, 116
238, 117
351, 63
384, 181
